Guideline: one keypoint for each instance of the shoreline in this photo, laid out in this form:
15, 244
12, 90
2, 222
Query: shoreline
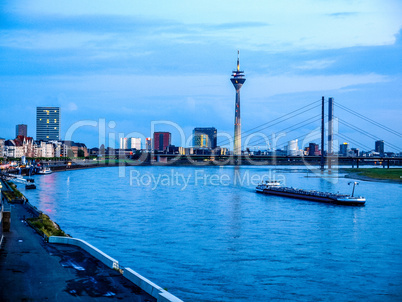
377, 178
355, 173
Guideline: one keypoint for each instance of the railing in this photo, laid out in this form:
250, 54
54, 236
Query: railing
148, 286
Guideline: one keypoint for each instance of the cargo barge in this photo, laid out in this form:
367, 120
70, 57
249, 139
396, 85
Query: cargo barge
275, 188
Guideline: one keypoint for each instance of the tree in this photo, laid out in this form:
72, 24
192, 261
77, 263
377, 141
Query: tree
81, 153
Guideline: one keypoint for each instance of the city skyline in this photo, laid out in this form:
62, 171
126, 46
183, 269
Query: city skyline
177, 69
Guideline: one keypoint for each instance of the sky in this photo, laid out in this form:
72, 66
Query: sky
126, 68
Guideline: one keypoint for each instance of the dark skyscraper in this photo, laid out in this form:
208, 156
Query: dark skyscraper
379, 147
205, 137
21, 129
237, 80
343, 149
47, 123
161, 140
313, 149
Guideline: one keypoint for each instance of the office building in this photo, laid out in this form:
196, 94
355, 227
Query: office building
162, 140
21, 129
47, 123
379, 147
293, 148
237, 80
313, 149
343, 149
130, 143
205, 138
134, 143
148, 144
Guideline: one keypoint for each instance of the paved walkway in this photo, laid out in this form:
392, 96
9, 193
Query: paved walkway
33, 270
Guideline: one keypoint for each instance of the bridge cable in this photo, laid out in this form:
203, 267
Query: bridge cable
369, 120
297, 125
276, 119
366, 133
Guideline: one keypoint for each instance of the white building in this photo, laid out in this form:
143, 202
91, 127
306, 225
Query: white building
123, 142
12, 150
134, 143
44, 149
293, 148
2, 141
130, 143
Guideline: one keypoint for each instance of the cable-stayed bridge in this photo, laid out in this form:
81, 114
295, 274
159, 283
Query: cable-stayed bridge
316, 126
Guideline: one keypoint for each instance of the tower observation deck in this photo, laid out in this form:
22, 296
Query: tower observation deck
237, 80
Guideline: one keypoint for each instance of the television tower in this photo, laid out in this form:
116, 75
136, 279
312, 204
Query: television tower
237, 80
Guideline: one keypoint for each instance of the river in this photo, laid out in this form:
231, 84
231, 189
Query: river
205, 235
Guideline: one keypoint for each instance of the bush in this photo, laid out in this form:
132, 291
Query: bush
46, 226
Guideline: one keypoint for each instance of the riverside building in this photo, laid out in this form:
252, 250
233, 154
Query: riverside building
47, 123
205, 137
162, 140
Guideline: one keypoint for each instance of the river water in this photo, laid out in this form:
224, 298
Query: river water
205, 235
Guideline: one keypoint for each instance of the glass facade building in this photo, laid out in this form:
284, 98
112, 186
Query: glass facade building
205, 138
47, 123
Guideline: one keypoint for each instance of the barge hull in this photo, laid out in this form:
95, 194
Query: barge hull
309, 197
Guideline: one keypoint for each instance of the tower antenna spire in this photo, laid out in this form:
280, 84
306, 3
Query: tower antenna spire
238, 60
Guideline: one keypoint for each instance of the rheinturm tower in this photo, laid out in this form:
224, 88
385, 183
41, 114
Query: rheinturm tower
237, 80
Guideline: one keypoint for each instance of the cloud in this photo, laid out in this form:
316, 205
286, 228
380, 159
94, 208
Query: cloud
343, 14
315, 64
266, 26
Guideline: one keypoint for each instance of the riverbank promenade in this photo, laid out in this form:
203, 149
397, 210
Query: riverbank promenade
34, 270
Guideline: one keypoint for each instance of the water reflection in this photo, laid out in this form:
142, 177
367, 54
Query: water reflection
46, 198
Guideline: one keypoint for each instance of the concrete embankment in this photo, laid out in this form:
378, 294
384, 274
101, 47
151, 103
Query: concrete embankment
148, 286
33, 270
61, 268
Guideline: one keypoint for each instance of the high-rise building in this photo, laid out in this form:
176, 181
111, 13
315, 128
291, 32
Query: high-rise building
379, 147
237, 80
343, 149
162, 140
205, 138
47, 123
21, 129
134, 143
148, 144
130, 143
313, 149
293, 148
123, 142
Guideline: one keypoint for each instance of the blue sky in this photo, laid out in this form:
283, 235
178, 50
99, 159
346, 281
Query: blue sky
134, 62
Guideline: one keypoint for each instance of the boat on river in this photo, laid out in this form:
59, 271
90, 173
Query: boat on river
30, 186
275, 188
45, 171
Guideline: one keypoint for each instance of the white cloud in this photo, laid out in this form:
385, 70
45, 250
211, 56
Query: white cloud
304, 24
315, 64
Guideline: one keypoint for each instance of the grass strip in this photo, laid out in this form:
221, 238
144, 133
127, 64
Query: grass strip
379, 173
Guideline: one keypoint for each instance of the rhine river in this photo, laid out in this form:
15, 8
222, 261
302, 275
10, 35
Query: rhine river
205, 235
